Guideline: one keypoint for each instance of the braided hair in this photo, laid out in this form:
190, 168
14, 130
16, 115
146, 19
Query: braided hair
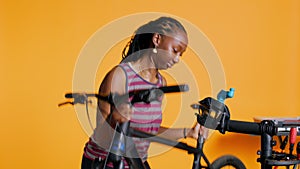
142, 37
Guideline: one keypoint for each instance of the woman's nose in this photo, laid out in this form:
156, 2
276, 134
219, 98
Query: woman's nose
176, 59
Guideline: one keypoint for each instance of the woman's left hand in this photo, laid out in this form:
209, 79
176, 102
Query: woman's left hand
196, 130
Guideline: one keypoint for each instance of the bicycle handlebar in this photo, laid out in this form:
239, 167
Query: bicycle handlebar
147, 95
144, 95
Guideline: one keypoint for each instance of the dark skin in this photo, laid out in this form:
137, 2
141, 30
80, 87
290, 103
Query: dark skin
170, 49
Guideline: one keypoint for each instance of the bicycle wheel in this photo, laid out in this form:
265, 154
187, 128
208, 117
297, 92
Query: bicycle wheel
228, 162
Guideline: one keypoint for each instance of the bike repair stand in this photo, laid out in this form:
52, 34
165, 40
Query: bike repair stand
267, 156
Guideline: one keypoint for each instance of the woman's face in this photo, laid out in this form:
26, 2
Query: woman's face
170, 49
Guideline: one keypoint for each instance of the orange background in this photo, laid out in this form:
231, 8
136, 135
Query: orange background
257, 41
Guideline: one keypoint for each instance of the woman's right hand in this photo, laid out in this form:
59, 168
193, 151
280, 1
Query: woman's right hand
196, 130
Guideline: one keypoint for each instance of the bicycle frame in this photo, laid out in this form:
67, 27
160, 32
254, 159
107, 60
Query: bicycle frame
196, 151
137, 163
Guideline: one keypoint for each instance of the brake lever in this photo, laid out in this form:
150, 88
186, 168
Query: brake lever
80, 98
64, 103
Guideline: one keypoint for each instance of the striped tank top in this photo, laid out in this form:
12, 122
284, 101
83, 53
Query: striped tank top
145, 117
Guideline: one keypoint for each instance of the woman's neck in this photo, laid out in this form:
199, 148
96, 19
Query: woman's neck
145, 68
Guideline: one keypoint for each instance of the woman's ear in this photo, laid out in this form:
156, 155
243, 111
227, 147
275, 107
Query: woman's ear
156, 39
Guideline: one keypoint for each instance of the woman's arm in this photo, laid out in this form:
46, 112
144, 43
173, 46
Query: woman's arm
107, 114
178, 133
114, 82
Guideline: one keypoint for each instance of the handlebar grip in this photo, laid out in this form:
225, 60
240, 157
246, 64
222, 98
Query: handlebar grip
175, 88
69, 95
266, 126
244, 127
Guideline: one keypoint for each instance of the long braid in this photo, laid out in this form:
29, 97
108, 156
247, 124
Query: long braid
142, 37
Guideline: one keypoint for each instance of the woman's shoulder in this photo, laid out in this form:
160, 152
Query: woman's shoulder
115, 79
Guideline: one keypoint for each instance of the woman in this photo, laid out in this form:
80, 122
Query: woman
157, 45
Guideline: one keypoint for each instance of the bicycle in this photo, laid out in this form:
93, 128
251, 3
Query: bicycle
122, 130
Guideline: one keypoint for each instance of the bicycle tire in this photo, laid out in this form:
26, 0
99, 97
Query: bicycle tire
227, 161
